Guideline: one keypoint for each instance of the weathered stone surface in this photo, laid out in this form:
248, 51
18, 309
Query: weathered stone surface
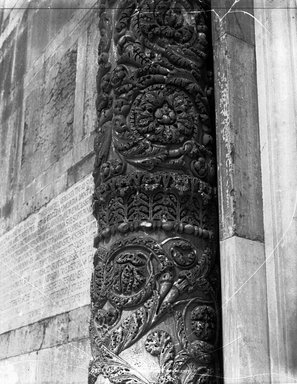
67, 363
34, 44
76, 172
1, 20
236, 19
12, 69
46, 333
6, 66
24, 339
243, 270
55, 331
47, 18
238, 145
48, 131
4, 345
47, 259
90, 113
47, 117
78, 323
9, 137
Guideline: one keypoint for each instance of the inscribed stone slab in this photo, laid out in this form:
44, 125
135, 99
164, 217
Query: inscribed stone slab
46, 259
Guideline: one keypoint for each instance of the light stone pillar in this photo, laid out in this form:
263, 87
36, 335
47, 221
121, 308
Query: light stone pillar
243, 274
276, 47
155, 287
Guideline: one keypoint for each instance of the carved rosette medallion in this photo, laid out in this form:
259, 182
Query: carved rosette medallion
155, 286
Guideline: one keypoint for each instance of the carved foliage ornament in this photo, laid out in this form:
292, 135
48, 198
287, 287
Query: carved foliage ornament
154, 98
154, 201
154, 290
153, 280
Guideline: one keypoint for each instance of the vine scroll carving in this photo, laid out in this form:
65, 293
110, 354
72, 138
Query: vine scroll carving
154, 289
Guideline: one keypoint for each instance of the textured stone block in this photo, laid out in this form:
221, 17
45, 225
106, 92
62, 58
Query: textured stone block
91, 67
41, 137
55, 330
78, 326
4, 345
52, 252
6, 64
238, 144
25, 339
80, 169
48, 131
46, 333
67, 363
237, 19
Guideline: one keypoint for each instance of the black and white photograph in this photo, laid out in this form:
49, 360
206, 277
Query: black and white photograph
148, 191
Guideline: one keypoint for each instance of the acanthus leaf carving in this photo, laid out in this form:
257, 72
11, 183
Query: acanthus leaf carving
154, 282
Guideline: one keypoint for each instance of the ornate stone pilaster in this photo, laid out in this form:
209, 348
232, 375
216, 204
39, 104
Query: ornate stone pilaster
155, 286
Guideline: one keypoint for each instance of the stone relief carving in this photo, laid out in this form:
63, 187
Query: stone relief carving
155, 280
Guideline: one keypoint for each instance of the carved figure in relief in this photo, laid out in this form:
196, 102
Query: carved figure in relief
155, 196
153, 280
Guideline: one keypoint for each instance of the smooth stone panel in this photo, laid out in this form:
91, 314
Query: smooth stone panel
67, 363
276, 48
244, 311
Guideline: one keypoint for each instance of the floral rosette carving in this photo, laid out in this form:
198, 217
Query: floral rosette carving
154, 292
164, 128
161, 100
164, 115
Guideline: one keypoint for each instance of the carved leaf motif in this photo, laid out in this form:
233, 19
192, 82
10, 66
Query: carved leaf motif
160, 101
138, 207
114, 368
159, 344
180, 330
134, 326
154, 173
181, 360
116, 211
165, 207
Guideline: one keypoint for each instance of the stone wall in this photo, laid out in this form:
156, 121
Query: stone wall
48, 66
242, 254
255, 52
277, 82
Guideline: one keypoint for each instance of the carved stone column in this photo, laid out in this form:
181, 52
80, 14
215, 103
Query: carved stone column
155, 282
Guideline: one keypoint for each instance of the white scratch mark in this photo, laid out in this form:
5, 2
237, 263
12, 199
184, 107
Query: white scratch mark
251, 15
267, 258
227, 344
231, 10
